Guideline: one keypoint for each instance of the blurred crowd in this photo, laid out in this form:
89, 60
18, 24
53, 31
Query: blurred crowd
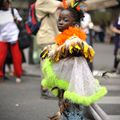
103, 33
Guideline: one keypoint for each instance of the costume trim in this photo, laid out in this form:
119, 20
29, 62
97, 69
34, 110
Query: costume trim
73, 47
50, 81
66, 34
85, 100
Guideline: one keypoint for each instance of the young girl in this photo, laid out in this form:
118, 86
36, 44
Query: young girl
66, 72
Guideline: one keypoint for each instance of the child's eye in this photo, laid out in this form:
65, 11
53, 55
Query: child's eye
66, 20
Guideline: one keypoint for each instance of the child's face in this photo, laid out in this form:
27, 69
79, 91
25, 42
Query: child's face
65, 20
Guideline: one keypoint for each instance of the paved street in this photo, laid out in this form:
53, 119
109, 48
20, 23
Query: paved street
23, 101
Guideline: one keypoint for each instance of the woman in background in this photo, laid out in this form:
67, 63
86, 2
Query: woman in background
9, 38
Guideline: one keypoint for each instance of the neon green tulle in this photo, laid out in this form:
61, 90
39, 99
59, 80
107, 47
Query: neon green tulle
51, 80
85, 100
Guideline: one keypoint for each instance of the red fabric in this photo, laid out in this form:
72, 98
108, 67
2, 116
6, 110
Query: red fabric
3, 53
16, 55
33, 13
28, 29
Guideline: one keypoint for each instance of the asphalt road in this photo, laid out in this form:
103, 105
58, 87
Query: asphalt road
23, 102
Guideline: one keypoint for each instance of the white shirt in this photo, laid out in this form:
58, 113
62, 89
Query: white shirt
8, 29
119, 20
86, 22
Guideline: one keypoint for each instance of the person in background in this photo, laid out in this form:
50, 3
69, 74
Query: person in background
48, 29
102, 33
86, 25
48, 26
9, 38
9, 64
108, 33
115, 27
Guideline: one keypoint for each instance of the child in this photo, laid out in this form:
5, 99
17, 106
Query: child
66, 72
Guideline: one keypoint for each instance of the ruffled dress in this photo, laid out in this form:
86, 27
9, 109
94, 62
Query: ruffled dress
65, 68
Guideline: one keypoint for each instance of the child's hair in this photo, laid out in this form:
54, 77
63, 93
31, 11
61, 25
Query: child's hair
78, 15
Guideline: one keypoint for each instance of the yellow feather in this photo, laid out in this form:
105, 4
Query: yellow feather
72, 3
45, 54
71, 49
57, 56
77, 47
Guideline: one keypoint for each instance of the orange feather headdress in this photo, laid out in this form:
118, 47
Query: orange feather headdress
66, 34
77, 4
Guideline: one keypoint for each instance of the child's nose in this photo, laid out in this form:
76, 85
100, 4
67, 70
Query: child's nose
61, 22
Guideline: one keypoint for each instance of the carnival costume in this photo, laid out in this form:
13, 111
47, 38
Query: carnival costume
65, 69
